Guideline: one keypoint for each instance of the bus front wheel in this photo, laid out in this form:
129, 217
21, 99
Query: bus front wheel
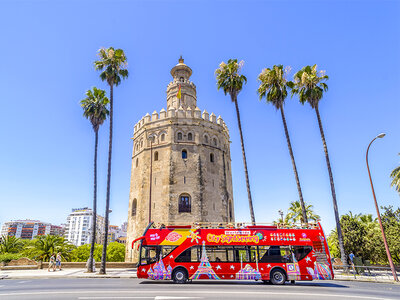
278, 277
180, 275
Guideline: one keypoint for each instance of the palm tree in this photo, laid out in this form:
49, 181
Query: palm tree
95, 109
45, 245
231, 82
395, 175
309, 85
273, 85
113, 64
295, 213
10, 244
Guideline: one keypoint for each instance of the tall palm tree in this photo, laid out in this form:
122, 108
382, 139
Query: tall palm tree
95, 109
395, 175
309, 85
231, 82
113, 65
273, 85
295, 213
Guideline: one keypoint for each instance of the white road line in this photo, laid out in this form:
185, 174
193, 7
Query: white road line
265, 293
23, 281
1, 286
115, 298
172, 298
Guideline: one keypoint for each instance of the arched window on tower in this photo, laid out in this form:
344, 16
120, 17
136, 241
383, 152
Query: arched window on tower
181, 79
134, 204
163, 137
215, 142
230, 210
184, 154
137, 162
190, 136
179, 136
206, 139
156, 155
211, 157
185, 203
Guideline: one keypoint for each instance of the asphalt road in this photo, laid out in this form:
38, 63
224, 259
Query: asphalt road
113, 288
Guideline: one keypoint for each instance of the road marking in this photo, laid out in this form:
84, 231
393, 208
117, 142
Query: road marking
172, 297
202, 292
23, 281
115, 297
1, 286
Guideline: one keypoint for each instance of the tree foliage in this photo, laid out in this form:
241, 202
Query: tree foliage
362, 236
42, 247
113, 65
395, 175
115, 252
229, 78
10, 244
295, 213
95, 107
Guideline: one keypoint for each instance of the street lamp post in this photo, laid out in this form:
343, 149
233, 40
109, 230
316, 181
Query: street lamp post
379, 215
281, 213
151, 175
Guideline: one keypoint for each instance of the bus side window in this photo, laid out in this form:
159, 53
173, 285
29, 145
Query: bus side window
272, 255
185, 256
166, 250
150, 254
241, 254
253, 254
301, 251
286, 254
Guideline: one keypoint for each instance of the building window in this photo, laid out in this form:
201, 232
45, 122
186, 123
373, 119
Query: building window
215, 142
182, 79
184, 154
206, 139
230, 210
156, 155
141, 144
134, 204
211, 157
190, 136
163, 137
184, 203
179, 136
137, 162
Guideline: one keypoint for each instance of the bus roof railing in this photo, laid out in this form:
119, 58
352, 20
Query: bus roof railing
237, 225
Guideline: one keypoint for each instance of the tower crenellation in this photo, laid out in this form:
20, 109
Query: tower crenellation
187, 153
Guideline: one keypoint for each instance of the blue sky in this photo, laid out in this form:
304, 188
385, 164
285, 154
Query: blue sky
48, 49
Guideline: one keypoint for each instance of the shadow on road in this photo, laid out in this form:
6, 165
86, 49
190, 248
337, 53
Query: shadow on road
324, 284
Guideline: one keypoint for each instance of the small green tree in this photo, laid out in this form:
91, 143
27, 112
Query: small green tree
82, 253
116, 252
10, 244
295, 213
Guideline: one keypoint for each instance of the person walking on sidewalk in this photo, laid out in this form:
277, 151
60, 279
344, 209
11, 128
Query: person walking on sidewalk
58, 261
52, 263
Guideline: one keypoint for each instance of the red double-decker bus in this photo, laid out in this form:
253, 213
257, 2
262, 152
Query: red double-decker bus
273, 254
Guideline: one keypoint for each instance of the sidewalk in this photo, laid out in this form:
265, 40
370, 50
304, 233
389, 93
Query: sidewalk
66, 273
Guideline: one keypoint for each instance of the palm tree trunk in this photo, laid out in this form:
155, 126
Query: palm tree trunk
90, 264
335, 208
104, 254
303, 208
253, 220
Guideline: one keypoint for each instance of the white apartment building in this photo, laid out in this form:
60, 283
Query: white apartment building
78, 229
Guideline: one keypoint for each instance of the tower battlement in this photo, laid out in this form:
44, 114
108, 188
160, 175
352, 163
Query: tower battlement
181, 114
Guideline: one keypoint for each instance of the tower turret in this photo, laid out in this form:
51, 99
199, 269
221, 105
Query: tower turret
181, 74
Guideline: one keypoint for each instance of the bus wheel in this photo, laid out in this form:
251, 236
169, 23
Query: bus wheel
180, 275
278, 277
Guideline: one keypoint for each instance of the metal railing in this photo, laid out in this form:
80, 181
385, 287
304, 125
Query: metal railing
364, 272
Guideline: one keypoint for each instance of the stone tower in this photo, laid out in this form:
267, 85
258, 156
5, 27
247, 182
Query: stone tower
185, 155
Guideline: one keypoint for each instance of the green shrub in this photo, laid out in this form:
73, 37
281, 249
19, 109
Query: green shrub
7, 257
